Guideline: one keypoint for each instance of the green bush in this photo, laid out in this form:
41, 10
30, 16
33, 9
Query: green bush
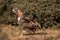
46, 12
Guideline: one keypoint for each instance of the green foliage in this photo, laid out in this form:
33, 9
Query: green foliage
46, 12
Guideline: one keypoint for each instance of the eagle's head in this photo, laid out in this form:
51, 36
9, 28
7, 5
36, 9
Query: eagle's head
15, 10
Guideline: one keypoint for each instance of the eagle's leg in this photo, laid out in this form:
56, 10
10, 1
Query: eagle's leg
34, 31
21, 29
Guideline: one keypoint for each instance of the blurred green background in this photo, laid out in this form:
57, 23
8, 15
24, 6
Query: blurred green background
46, 12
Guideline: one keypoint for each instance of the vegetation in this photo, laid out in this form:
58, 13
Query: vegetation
46, 12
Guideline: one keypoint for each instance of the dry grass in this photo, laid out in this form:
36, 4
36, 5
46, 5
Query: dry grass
8, 32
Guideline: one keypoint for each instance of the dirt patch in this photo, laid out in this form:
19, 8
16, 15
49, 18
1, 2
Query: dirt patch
13, 33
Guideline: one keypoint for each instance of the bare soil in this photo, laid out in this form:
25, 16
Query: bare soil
8, 32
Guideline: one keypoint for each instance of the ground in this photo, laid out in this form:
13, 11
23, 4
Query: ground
8, 32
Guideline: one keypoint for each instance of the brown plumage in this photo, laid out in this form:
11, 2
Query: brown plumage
26, 21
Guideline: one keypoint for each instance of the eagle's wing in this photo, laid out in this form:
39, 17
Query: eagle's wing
27, 19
